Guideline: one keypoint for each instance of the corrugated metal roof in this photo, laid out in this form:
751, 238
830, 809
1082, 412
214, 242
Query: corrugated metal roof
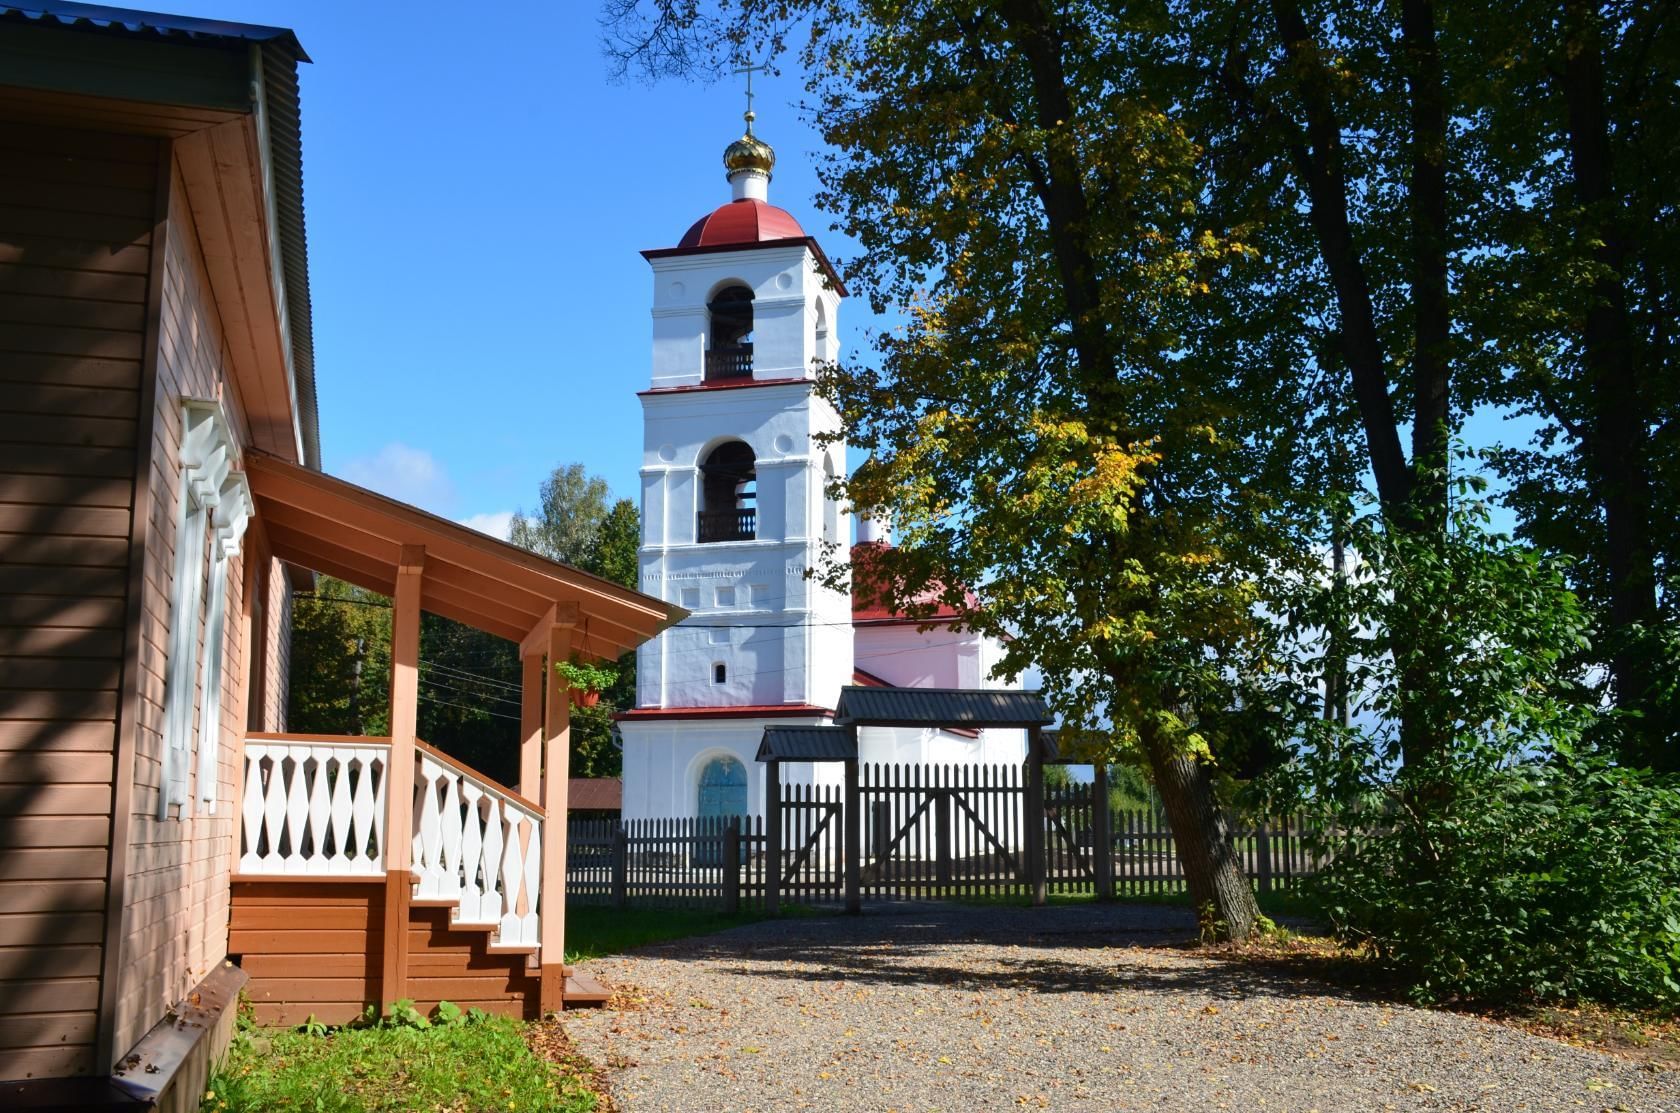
285, 144
807, 743
160, 24
940, 707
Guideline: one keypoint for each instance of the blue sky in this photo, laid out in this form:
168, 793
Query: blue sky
476, 193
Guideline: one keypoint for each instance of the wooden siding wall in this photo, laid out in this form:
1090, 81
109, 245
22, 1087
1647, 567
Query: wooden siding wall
76, 218
175, 913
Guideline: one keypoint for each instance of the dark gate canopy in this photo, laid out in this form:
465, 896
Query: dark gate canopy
862, 706
807, 743
940, 707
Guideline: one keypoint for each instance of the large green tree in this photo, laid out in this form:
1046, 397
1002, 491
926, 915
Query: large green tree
1574, 287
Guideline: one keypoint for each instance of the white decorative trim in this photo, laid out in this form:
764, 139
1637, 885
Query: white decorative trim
211, 491
232, 509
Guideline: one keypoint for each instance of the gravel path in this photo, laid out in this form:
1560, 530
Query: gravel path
1079, 1008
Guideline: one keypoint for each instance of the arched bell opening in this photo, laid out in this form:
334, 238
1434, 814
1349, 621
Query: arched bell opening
729, 493
731, 350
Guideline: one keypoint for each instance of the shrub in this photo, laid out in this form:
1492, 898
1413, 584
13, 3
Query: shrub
1556, 880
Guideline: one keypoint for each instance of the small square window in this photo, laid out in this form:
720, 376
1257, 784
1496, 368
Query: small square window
726, 597
719, 635
720, 674
690, 598
760, 596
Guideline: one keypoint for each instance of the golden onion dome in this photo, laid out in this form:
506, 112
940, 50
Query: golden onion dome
749, 153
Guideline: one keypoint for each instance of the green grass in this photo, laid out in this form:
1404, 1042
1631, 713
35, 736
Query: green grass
593, 931
484, 1065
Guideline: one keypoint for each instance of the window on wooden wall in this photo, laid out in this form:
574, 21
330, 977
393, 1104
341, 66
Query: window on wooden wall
212, 509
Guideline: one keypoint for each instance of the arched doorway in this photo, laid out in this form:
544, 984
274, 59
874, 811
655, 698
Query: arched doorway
723, 789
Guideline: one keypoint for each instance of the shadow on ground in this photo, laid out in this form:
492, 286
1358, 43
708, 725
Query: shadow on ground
924, 945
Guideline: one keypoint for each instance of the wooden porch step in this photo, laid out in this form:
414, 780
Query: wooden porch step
583, 992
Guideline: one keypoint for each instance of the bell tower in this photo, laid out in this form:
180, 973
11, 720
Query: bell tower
735, 465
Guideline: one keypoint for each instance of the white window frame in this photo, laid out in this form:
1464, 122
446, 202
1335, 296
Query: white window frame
207, 457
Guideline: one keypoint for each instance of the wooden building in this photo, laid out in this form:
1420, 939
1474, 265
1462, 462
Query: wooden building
163, 840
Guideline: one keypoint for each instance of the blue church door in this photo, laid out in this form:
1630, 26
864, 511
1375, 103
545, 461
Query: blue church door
723, 795
723, 788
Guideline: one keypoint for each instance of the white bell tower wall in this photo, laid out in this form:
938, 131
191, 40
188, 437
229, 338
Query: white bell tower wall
761, 633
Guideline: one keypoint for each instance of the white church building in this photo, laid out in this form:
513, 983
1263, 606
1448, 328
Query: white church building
738, 450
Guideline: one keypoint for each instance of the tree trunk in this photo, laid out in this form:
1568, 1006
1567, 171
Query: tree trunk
1431, 311
1220, 894
1616, 441
1318, 162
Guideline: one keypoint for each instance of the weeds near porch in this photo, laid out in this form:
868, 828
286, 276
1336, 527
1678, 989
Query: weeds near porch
456, 1061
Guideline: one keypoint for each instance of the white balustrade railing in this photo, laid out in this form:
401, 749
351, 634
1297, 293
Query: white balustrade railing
314, 807
480, 847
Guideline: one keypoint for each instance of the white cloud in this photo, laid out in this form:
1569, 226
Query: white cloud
410, 475
497, 523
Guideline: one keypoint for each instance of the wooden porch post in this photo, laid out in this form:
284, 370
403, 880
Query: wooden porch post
399, 816
531, 695
557, 761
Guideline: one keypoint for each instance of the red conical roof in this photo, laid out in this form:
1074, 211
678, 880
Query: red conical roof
746, 221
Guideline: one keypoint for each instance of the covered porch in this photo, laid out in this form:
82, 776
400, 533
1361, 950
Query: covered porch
368, 870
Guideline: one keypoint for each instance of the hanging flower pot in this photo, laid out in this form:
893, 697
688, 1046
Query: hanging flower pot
585, 681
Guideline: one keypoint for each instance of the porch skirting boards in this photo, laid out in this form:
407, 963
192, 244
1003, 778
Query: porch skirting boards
166, 1071
318, 946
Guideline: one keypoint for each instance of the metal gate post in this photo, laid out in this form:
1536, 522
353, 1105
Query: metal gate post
854, 831
1035, 817
1101, 833
772, 838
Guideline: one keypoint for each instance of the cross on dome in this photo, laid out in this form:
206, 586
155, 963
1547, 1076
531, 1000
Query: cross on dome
749, 160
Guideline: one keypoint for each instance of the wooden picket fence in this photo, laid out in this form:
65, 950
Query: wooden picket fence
926, 833
666, 863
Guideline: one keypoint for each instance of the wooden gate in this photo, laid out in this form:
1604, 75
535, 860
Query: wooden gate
935, 831
1071, 838
813, 844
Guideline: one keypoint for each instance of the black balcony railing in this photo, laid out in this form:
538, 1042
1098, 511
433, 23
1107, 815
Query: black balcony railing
728, 525
729, 363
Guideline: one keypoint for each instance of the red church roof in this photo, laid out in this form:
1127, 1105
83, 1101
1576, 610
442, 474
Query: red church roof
869, 607
741, 222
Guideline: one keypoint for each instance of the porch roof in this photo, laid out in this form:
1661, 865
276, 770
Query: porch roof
318, 522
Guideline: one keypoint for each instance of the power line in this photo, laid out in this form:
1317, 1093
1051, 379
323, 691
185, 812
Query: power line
468, 707
462, 673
